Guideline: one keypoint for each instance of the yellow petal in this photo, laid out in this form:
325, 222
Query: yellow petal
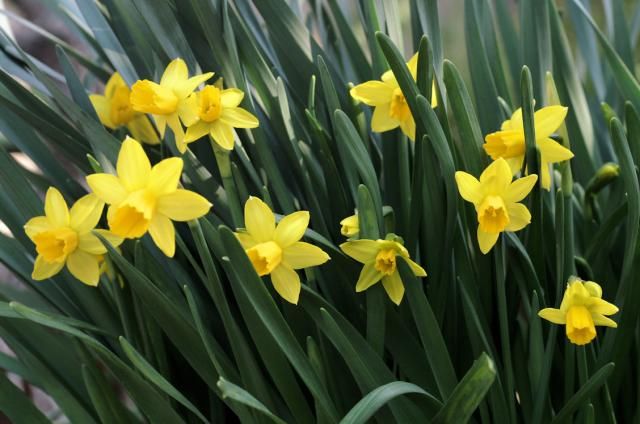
133, 165
497, 177
165, 176
393, 286
412, 64
222, 134
188, 110
548, 119
381, 121
291, 228
183, 205
245, 239
372, 93
55, 208
553, 315
231, 97
85, 213
363, 251
599, 306
519, 189
37, 225
553, 151
417, 270
486, 240
163, 234
84, 267
519, 217
545, 174
114, 82
594, 289
368, 277
187, 87
102, 106
259, 220
197, 131
175, 73
173, 121
515, 164
287, 283
141, 129
161, 124
107, 187
408, 128
89, 243
599, 319
469, 187
515, 122
43, 269
303, 255
238, 118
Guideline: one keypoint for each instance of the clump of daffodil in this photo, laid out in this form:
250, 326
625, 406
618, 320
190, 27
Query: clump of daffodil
277, 250
391, 108
496, 199
66, 237
114, 110
509, 143
146, 199
350, 226
218, 114
379, 258
582, 308
166, 101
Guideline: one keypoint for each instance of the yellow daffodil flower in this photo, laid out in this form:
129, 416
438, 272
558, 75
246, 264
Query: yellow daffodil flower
218, 114
114, 110
166, 101
350, 226
496, 199
65, 237
582, 308
143, 198
277, 250
508, 143
391, 108
379, 258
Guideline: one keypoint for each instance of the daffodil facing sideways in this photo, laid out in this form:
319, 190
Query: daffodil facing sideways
218, 114
581, 309
380, 263
146, 199
350, 226
496, 199
166, 101
509, 143
277, 250
114, 110
66, 237
391, 108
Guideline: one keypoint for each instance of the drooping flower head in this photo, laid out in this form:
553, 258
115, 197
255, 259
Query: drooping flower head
218, 114
114, 110
65, 237
277, 250
391, 108
509, 143
146, 199
380, 263
166, 101
582, 308
496, 199
350, 226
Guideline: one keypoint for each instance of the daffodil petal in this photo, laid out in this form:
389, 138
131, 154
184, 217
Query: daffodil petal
519, 189
55, 208
408, 128
363, 251
368, 277
548, 119
197, 131
188, 110
238, 118
85, 213
287, 283
222, 134
245, 240
553, 315
519, 217
175, 73
554, 151
496, 178
545, 174
259, 220
515, 164
381, 121
163, 234
417, 270
303, 255
594, 289
291, 228
185, 88
141, 129
37, 225
43, 269
84, 267
90, 243
372, 93
173, 121
165, 176
102, 106
107, 187
603, 307
161, 124
486, 240
231, 97
183, 205
599, 319
393, 286
133, 165
115, 81
469, 187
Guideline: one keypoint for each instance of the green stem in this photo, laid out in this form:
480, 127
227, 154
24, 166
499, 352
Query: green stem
224, 166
